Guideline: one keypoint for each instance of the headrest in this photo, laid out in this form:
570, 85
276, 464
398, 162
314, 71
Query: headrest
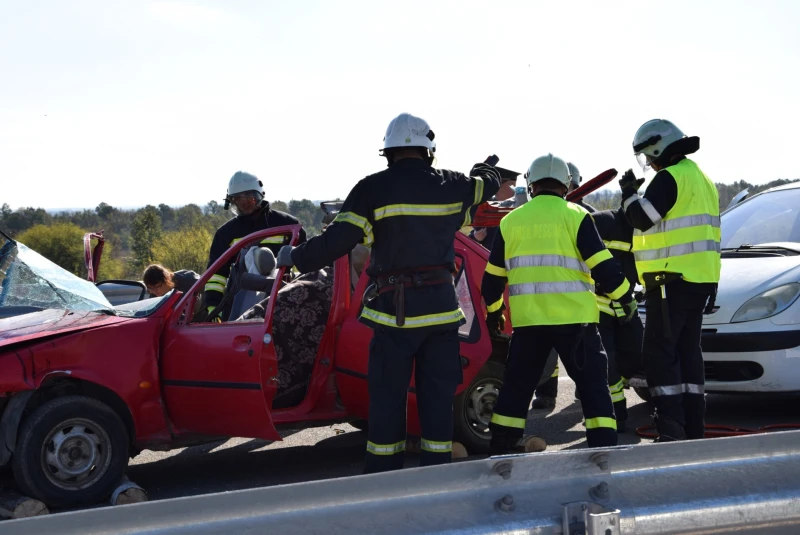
264, 260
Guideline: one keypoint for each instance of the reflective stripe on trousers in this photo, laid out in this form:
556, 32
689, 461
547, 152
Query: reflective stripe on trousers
386, 449
675, 390
600, 421
436, 447
508, 421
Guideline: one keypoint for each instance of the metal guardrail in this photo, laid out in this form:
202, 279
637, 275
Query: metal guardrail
747, 484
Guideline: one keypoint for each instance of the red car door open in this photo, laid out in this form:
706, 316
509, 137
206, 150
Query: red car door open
219, 378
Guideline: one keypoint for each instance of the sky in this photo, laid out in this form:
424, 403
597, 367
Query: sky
148, 102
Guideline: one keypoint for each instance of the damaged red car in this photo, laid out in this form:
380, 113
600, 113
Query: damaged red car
86, 385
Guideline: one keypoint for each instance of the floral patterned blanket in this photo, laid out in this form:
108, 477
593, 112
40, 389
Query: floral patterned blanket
301, 312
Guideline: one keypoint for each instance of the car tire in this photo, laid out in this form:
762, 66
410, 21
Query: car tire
473, 408
71, 451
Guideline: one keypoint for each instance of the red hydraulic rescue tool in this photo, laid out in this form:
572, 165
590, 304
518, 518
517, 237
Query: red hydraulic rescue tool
490, 213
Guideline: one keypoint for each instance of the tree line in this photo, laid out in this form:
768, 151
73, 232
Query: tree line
609, 200
178, 238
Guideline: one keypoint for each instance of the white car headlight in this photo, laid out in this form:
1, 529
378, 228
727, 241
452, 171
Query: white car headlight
768, 304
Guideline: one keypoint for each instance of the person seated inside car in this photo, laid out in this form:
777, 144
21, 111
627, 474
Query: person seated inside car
159, 280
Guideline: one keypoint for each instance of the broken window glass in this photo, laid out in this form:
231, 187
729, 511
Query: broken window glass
29, 279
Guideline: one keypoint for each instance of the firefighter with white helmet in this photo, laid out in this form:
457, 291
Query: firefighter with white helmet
245, 199
676, 247
550, 255
408, 214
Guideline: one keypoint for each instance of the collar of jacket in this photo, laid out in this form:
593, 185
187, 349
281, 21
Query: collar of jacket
552, 193
410, 163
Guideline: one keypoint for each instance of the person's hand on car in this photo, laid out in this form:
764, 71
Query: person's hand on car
285, 257
479, 234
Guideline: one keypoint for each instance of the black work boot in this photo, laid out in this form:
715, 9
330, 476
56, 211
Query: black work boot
669, 430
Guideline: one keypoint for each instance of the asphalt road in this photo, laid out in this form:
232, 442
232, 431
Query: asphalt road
338, 450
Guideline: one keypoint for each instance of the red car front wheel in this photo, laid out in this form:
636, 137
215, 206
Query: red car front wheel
71, 451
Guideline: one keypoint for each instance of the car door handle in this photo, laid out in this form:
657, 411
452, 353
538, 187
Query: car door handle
241, 343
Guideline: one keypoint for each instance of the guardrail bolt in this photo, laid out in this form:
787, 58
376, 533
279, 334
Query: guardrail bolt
505, 504
503, 468
601, 460
600, 492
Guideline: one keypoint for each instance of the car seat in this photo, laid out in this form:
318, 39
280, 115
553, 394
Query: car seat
259, 261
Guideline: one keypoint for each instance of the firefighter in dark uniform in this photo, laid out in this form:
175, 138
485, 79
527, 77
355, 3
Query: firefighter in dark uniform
246, 200
676, 246
408, 214
547, 392
622, 337
550, 254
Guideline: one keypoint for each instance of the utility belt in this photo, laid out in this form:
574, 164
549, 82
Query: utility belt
400, 280
658, 282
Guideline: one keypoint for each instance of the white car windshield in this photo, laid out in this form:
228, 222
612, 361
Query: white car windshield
768, 218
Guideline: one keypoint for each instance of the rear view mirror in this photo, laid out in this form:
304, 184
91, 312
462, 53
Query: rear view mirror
120, 292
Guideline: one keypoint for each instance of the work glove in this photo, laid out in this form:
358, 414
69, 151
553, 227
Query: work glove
495, 321
630, 309
285, 257
712, 301
482, 169
630, 184
479, 234
209, 310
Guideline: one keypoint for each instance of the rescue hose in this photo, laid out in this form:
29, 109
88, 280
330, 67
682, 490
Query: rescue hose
716, 430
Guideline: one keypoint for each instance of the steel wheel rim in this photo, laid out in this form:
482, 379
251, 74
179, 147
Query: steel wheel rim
76, 454
480, 402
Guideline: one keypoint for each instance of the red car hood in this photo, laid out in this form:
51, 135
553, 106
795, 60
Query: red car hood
49, 322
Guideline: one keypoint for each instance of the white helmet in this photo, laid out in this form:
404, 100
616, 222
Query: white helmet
241, 182
652, 138
406, 130
548, 167
574, 174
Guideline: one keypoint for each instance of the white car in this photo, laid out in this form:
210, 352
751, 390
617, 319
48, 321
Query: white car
751, 342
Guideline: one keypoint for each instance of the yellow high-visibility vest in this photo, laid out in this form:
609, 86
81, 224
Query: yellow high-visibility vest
548, 281
687, 239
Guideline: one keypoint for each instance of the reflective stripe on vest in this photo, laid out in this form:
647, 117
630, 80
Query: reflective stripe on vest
548, 281
687, 239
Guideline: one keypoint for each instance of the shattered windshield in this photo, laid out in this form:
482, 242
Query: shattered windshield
29, 279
